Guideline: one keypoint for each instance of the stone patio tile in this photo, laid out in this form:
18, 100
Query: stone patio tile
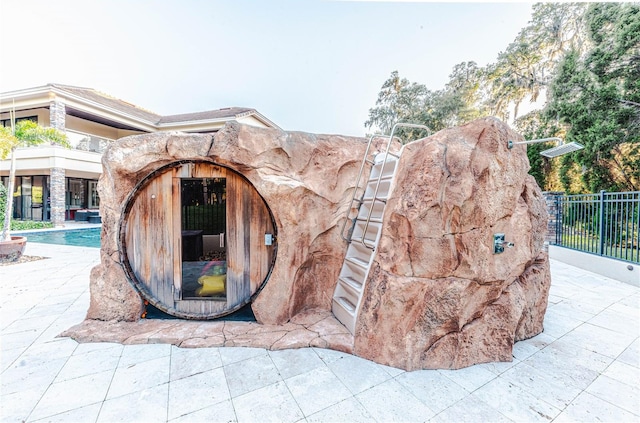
8, 357
526, 348
316, 390
624, 396
17, 406
234, 354
135, 354
37, 323
591, 337
631, 355
470, 378
25, 375
329, 356
96, 361
50, 349
589, 408
72, 394
498, 367
148, 405
139, 376
617, 321
624, 373
514, 402
272, 403
570, 374
197, 392
393, 402
190, 361
251, 374
561, 291
432, 388
557, 325
349, 410
45, 310
15, 340
295, 361
565, 354
540, 384
470, 409
82, 414
221, 412
575, 308
358, 374
89, 347
632, 301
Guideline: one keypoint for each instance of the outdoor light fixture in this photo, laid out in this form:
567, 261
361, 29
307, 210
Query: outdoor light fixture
559, 150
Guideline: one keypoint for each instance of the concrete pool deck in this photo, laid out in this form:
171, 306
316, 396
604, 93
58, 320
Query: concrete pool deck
585, 366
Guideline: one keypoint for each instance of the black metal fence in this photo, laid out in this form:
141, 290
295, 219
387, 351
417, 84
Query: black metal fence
607, 224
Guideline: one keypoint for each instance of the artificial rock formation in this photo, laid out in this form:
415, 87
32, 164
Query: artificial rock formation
437, 295
305, 179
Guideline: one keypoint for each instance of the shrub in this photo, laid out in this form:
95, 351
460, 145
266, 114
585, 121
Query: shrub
23, 225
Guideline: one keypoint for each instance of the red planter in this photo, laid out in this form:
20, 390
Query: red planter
12, 250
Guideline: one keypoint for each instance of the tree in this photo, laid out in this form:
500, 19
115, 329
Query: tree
24, 133
400, 100
526, 67
597, 97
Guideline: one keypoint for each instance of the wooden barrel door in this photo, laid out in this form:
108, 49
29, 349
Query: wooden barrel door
197, 240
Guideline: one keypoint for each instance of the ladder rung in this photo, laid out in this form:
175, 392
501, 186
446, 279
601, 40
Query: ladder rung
348, 305
357, 261
381, 199
351, 282
372, 219
384, 178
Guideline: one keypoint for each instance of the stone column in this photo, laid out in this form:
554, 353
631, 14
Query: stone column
57, 115
57, 190
555, 216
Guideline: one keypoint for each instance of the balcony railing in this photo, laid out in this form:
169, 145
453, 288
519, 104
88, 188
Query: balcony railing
607, 224
87, 142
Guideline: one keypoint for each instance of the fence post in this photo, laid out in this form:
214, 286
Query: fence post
554, 202
601, 224
559, 216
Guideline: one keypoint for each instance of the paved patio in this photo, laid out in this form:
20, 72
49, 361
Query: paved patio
584, 367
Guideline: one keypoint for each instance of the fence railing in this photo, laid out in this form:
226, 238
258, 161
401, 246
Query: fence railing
607, 224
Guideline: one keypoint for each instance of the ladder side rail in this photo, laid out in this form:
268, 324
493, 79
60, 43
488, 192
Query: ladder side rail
357, 184
386, 155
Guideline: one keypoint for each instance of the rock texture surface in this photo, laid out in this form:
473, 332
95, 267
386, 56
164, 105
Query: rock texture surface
305, 179
307, 329
437, 295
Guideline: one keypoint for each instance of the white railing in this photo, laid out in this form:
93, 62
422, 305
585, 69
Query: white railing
87, 142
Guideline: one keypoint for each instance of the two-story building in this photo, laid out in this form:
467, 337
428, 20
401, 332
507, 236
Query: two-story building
53, 183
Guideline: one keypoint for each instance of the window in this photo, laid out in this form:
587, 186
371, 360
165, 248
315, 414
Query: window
7, 122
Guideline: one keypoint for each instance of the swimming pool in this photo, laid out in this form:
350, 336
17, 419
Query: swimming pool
77, 237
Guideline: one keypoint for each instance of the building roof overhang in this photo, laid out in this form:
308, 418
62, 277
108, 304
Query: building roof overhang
92, 105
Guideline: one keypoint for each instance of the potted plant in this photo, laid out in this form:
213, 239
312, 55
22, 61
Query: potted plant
24, 133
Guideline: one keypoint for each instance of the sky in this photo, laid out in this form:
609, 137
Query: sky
307, 65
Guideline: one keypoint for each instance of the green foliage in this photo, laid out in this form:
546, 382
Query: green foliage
24, 133
597, 97
403, 101
3, 201
585, 57
23, 225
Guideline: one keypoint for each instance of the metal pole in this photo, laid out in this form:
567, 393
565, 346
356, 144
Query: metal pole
601, 223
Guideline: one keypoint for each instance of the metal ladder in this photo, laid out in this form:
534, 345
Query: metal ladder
366, 227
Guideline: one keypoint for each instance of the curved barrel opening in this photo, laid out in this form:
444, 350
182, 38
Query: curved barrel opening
196, 240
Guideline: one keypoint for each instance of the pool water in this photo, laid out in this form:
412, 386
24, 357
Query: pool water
76, 237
